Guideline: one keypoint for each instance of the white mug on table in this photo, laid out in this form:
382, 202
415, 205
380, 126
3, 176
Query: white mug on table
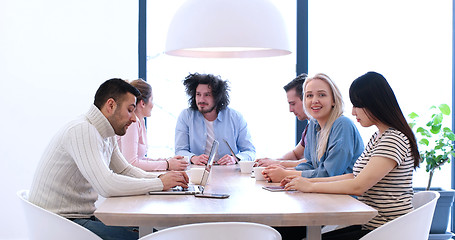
195, 174
258, 173
246, 166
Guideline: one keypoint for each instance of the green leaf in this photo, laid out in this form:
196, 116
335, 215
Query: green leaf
411, 125
445, 109
424, 141
413, 115
423, 131
450, 135
446, 129
435, 129
437, 119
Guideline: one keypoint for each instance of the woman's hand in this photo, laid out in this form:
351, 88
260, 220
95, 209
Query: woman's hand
177, 163
275, 173
265, 162
296, 183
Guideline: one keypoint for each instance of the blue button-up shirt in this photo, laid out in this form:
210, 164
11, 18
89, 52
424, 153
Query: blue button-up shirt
344, 146
191, 134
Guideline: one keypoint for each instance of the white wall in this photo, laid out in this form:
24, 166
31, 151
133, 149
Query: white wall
53, 56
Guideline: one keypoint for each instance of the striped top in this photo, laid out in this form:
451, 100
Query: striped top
392, 195
82, 161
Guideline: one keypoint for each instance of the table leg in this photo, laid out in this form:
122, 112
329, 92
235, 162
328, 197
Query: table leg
313, 232
145, 230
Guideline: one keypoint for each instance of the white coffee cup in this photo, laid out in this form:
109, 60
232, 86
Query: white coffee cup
186, 159
246, 166
258, 173
195, 174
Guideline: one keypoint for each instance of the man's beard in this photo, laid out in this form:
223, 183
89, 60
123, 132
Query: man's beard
206, 111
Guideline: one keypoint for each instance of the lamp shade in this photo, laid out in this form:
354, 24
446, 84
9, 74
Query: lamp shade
227, 29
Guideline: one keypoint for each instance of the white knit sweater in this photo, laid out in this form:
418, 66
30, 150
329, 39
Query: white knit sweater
82, 161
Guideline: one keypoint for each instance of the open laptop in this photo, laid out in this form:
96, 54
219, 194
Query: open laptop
237, 159
194, 189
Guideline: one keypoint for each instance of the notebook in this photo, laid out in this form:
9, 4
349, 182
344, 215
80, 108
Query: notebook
194, 189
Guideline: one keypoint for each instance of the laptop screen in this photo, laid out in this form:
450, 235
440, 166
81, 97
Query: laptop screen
232, 152
206, 174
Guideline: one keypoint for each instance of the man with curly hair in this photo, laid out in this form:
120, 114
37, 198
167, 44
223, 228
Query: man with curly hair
208, 118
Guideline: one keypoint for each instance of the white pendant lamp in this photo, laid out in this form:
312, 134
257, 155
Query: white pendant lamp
227, 29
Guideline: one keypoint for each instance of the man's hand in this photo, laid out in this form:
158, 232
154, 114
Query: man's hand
172, 179
226, 160
200, 160
177, 163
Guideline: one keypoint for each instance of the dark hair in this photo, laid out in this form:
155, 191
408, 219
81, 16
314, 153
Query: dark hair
297, 83
144, 88
372, 92
114, 88
219, 87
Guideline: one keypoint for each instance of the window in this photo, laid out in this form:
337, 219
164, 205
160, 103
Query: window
409, 42
256, 87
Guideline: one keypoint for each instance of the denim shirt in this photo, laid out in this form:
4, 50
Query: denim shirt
191, 134
344, 146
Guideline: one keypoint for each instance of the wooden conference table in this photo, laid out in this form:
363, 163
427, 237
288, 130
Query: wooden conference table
248, 202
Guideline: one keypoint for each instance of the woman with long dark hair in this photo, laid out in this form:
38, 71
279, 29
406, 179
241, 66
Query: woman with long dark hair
382, 175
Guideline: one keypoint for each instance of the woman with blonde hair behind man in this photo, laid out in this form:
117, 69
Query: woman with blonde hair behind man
333, 141
133, 144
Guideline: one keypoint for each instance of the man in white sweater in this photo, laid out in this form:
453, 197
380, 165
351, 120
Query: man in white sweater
83, 160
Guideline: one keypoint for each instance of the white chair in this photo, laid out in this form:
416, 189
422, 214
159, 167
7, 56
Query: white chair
218, 231
413, 225
45, 225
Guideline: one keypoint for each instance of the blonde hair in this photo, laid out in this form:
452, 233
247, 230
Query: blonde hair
144, 88
335, 113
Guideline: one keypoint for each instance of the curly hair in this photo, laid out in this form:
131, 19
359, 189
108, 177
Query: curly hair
219, 87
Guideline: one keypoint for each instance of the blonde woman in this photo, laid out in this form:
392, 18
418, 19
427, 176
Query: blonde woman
333, 141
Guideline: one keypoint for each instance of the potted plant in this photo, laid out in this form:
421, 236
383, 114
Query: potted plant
436, 149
